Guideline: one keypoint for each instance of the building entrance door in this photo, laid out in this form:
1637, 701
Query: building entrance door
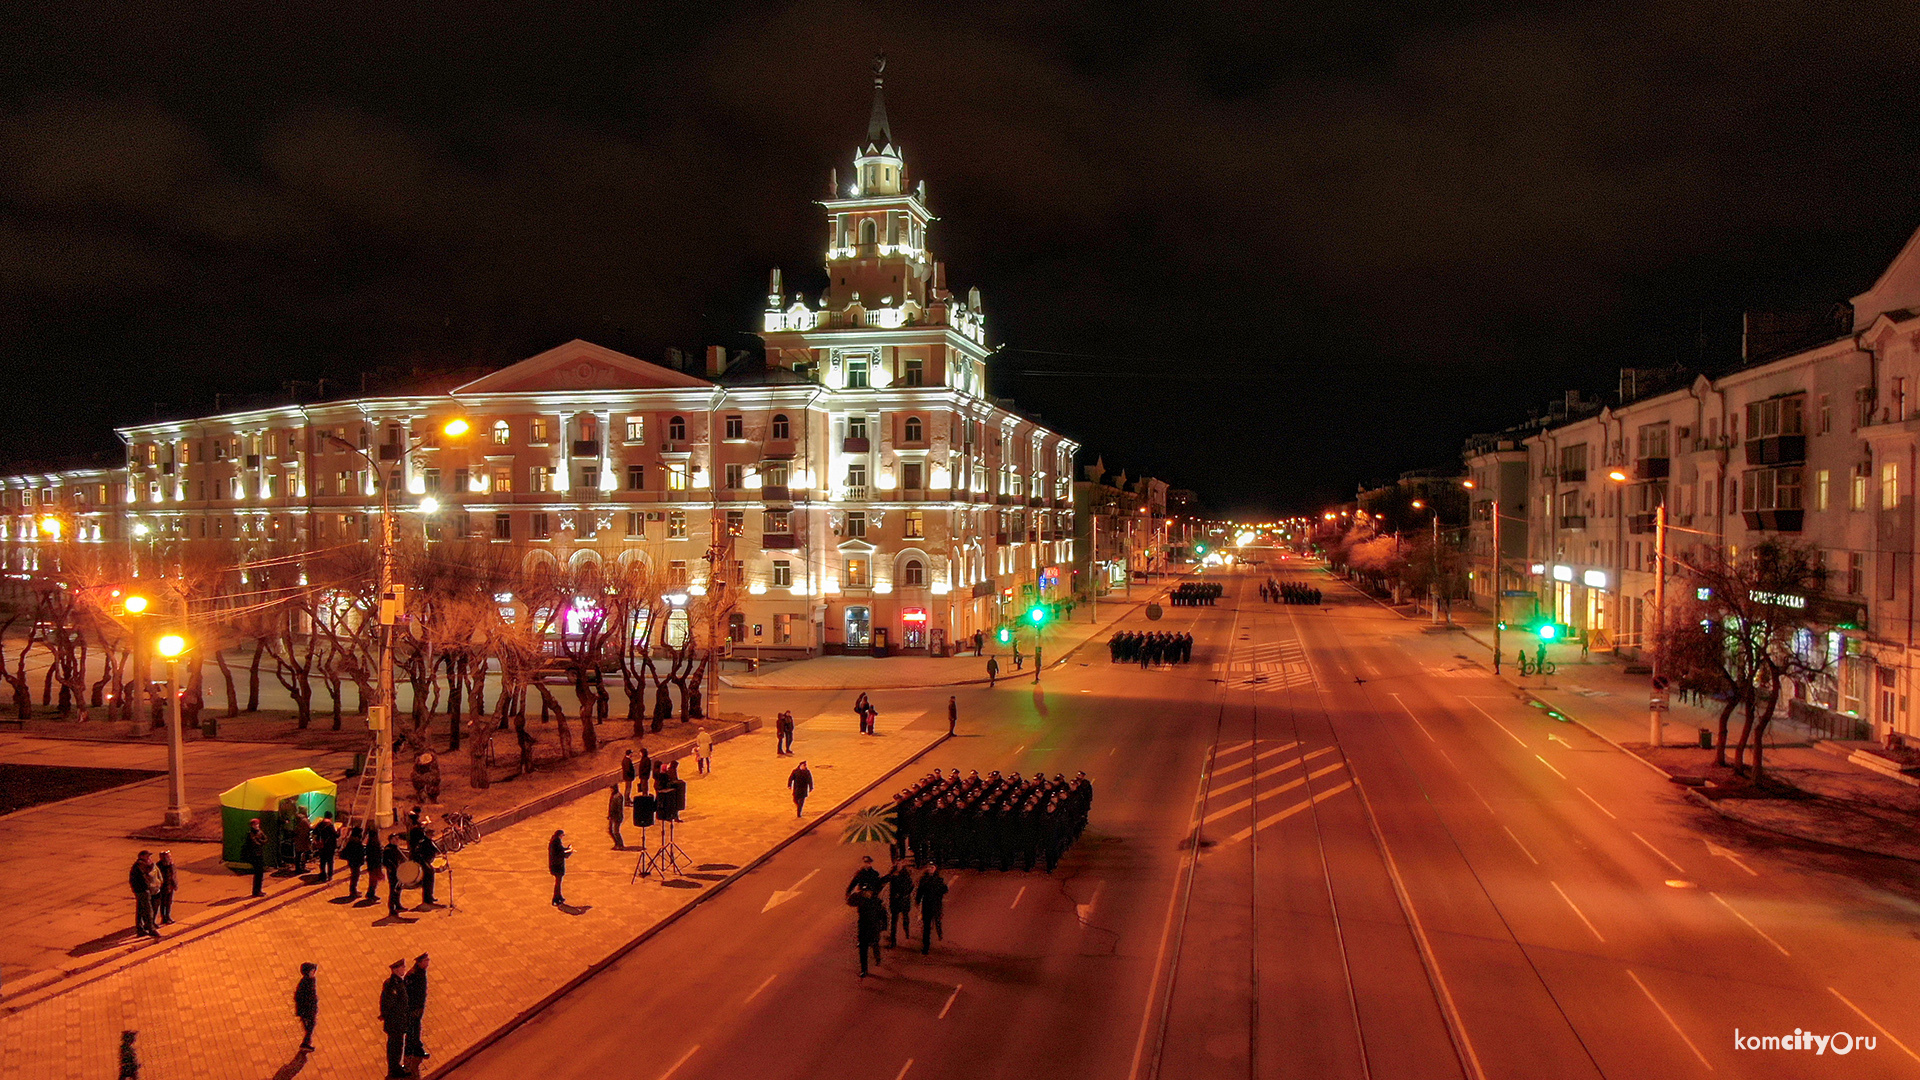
859, 628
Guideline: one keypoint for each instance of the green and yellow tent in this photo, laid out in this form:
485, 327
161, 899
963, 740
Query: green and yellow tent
272, 799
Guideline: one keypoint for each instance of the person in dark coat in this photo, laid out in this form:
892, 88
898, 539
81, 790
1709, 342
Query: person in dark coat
326, 837
931, 895
129, 1058
393, 1018
417, 1007
355, 852
899, 904
616, 816
993, 670
373, 864
143, 883
800, 782
953, 715
871, 917
169, 884
557, 854
424, 851
390, 860
302, 839
306, 1004
627, 773
865, 878
253, 851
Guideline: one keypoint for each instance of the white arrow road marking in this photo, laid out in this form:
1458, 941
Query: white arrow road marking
1561, 741
781, 896
1720, 852
1086, 909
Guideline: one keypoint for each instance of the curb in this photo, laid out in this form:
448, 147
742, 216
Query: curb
594, 969
43, 990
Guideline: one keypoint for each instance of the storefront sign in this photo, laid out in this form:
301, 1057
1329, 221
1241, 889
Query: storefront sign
1562, 572
913, 615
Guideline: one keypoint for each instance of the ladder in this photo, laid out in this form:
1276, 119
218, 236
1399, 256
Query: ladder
364, 781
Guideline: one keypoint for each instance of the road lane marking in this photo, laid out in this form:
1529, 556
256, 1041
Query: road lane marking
675, 1067
762, 986
1576, 910
1477, 795
1595, 802
781, 896
1670, 1020
1522, 847
1222, 790
1749, 922
1082, 911
1496, 723
1271, 792
1657, 851
1019, 748
1276, 819
1550, 767
902, 1074
1234, 749
1016, 898
1876, 1024
1410, 716
950, 1000
1555, 738
1716, 850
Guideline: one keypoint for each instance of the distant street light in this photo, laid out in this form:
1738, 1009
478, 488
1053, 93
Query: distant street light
136, 604
171, 646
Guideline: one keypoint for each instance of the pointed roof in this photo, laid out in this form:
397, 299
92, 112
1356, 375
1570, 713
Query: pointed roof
580, 365
879, 135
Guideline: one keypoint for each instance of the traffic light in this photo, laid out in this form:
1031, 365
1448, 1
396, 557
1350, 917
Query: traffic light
1038, 615
1005, 634
1548, 631
1200, 548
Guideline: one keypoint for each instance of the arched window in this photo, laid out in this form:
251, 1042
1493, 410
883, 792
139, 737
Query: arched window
869, 232
781, 429
914, 431
502, 433
677, 429
914, 573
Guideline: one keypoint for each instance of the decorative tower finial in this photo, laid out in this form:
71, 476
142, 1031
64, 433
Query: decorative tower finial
879, 135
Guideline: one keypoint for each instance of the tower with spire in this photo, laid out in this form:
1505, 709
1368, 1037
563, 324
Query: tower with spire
886, 318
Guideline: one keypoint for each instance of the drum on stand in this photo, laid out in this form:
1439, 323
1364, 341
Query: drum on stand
410, 874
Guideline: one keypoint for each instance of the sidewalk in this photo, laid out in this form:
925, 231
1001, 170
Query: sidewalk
921, 672
220, 1006
1825, 800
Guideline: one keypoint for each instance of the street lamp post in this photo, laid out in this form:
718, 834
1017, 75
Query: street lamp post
1656, 698
179, 814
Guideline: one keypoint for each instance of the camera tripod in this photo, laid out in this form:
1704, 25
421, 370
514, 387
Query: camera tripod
668, 857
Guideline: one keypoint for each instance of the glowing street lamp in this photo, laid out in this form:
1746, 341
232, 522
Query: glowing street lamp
172, 646
457, 427
50, 526
135, 605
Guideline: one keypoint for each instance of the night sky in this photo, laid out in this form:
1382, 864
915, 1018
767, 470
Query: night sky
1263, 250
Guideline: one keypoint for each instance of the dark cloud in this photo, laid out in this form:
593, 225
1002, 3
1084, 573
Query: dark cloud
1288, 244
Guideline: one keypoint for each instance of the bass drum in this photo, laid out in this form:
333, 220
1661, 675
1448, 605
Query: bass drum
410, 874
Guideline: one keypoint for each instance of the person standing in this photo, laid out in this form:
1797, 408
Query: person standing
373, 864
141, 880
860, 710
306, 1004
557, 855
871, 915
390, 860
393, 1017
703, 752
169, 884
616, 816
302, 839
627, 773
800, 782
1038, 663
899, 904
417, 1007
253, 851
327, 837
953, 715
783, 735
423, 852
1017, 658
931, 894
129, 1057
354, 852
993, 670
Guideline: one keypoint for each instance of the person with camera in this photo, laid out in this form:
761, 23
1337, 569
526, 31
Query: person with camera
557, 855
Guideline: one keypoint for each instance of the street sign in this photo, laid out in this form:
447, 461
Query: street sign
1153, 611
1657, 702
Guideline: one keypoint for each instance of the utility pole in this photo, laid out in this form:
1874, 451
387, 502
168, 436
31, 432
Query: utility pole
1499, 592
1656, 703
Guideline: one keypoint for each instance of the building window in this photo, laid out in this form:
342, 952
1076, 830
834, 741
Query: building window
869, 230
587, 527
781, 428
430, 481
856, 523
1821, 483
913, 573
540, 478
737, 574
1777, 416
911, 475
636, 523
1890, 486
915, 373
857, 479
777, 522
1856, 573
636, 478
856, 576
736, 522
773, 474
1772, 489
540, 528
915, 526
783, 629
538, 431
676, 478
1826, 414
857, 374
782, 574
1573, 463
502, 433
462, 481
677, 574
503, 526
913, 430
736, 427
677, 429
503, 481
1862, 477
590, 477
856, 427
235, 489
677, 525
736, 477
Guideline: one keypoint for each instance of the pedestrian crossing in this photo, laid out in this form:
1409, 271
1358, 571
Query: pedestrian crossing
844, 720
1268, 666
1258, 786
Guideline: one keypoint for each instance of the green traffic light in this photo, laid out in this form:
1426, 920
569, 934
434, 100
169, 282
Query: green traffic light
1006, 635
1038, 615
1549, 631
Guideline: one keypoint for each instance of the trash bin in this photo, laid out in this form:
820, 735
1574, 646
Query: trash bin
359, 764
209, 726
1706, 739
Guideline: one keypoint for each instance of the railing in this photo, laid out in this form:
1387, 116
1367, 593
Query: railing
856, 491
1573, 521
586, 448
852, 445
1652, 468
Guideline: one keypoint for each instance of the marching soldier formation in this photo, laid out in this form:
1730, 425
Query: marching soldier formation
992, 821
1290, 593
1148, 649
1195, 594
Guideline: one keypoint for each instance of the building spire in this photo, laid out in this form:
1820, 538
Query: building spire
879, 135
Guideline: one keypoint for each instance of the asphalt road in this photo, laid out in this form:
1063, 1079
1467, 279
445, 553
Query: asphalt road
1401, 870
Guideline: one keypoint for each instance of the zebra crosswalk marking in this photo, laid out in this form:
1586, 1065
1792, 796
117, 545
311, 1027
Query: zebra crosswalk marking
1282, 789
1276, 819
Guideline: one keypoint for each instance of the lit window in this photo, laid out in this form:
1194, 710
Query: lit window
736, 522
636, 429
538, 431
502, 480
777, 521
1890, 486
540, 478
676, 478
677, 525
856, 575
915, 525
502, 433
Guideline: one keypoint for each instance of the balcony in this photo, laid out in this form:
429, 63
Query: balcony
253, 461
586, 448
1775, 520
677, 446
1777, 450
1652, 468
776, 493
586, 493
1000, 538
166, 468
391, 451
1573, 476
1003, 500
1639, 524
778, 449
779, 541
1578, 521
852, 445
